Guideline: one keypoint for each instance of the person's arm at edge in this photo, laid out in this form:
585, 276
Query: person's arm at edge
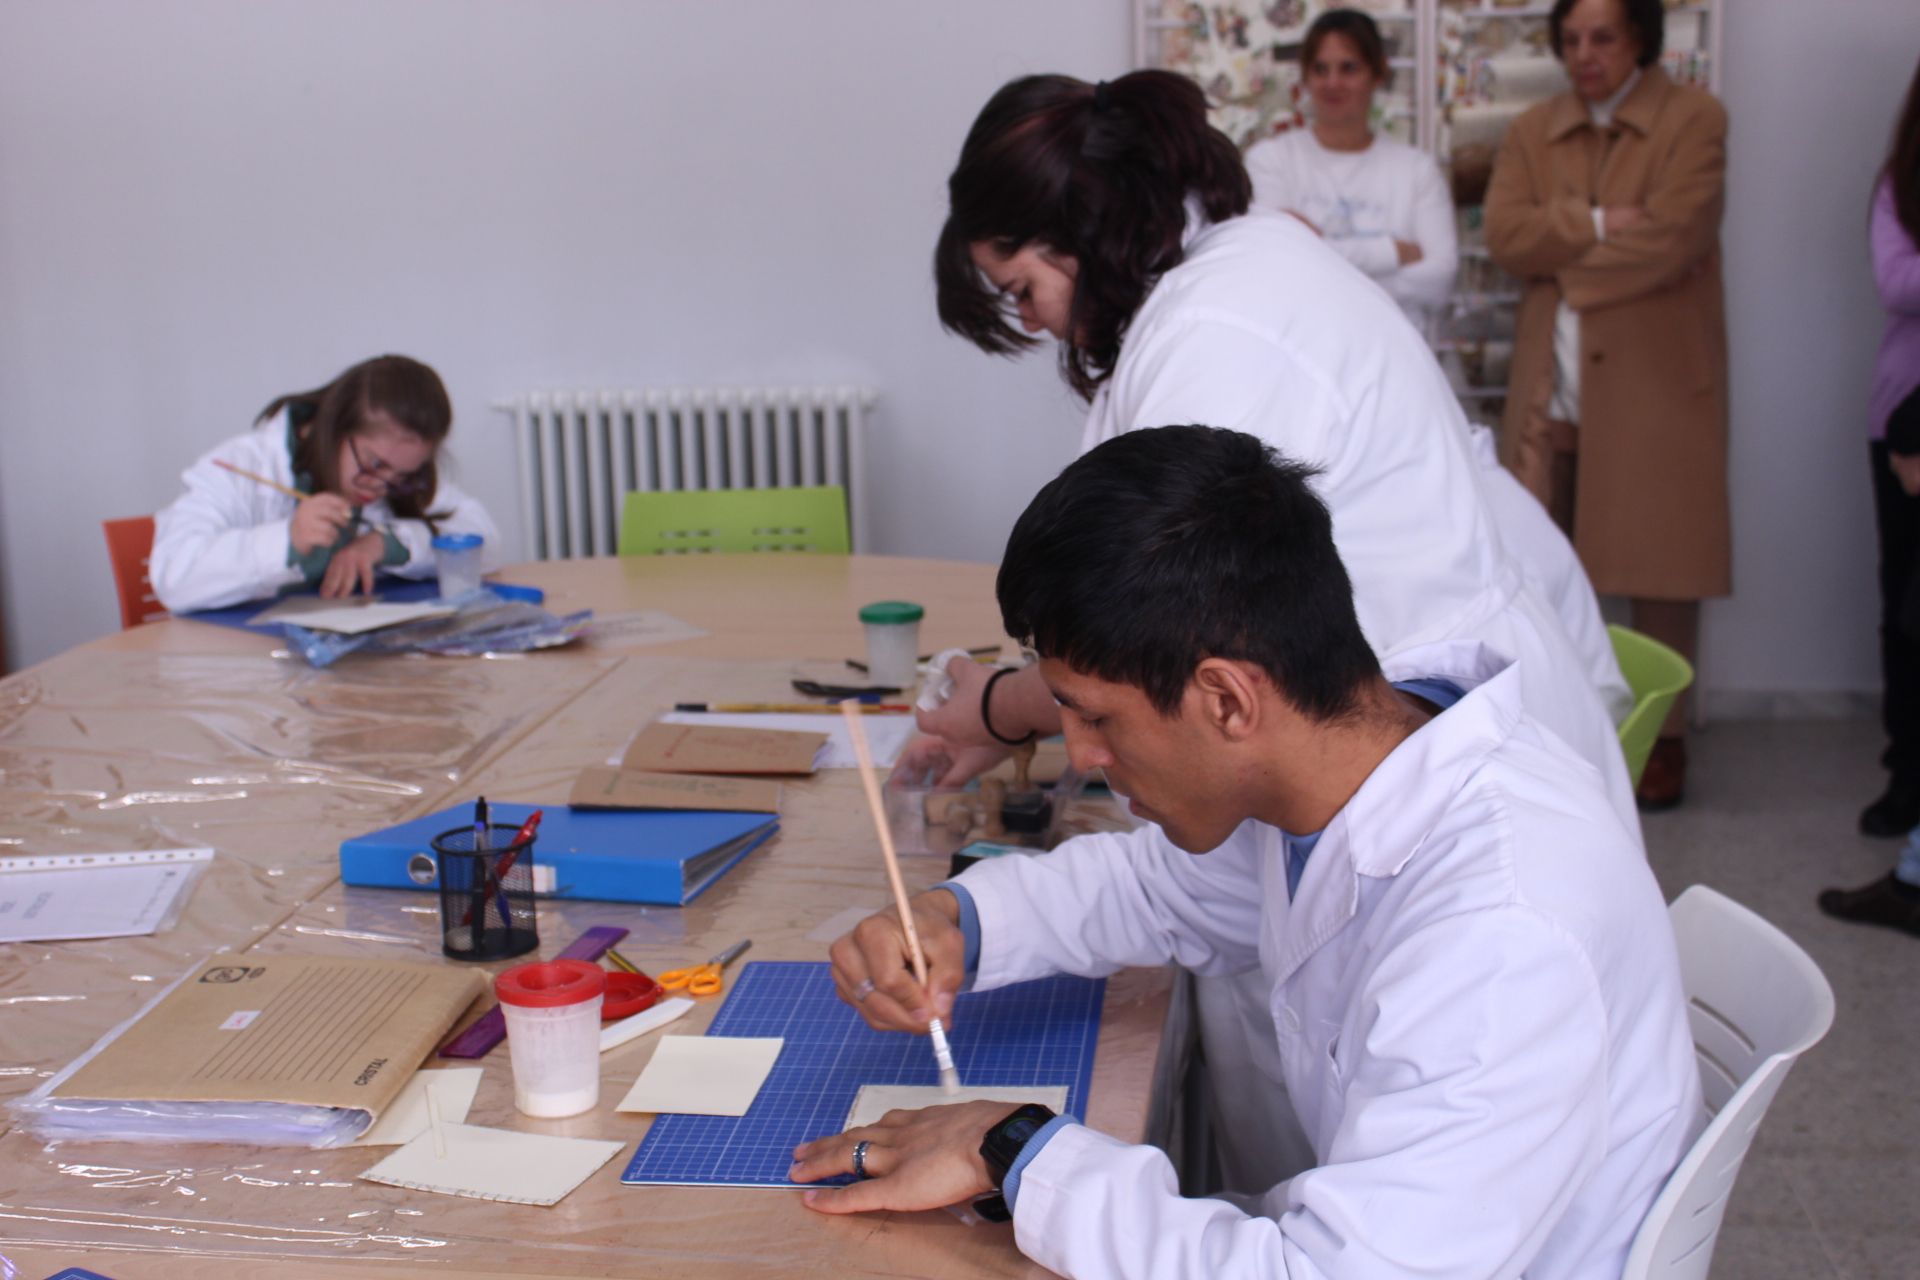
1896, 258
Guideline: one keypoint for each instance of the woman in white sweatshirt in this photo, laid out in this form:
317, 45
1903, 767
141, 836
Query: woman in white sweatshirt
362, 449
1382, 204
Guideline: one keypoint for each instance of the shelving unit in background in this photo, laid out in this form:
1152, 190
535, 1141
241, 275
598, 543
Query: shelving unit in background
1463, 70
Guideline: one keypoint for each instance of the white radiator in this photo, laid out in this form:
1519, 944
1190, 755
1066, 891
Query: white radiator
581, 450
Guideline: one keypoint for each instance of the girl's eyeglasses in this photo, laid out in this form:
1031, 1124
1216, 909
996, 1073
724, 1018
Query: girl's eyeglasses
398, 483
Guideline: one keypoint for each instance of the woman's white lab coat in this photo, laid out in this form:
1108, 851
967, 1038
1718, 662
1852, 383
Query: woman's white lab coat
1477, 1005
1264, 329
225, 540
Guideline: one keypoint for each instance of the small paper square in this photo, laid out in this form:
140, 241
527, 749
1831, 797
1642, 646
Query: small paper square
406, 1116
239, 1019
495, 1164
703, 1075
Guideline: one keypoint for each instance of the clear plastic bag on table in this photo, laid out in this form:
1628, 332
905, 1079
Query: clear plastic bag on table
482, 622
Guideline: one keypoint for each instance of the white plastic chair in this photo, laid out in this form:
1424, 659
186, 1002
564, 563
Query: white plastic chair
1755, 1002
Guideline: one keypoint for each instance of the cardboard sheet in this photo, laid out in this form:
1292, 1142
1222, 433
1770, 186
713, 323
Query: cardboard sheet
666, 747
887, 735
875, 1100
406, 1116
599, 787
312, 1031
494, 1164
703, 1075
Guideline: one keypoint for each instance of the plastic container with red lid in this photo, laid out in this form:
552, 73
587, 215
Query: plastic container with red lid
552, 1008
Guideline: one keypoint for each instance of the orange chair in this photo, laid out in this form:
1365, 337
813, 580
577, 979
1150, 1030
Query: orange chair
129, 544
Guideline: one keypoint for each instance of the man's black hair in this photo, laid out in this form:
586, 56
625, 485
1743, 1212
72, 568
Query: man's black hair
1164, 547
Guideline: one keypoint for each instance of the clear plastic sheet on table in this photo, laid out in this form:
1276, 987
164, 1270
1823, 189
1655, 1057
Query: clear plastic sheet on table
267, 761
263, 758
482, 623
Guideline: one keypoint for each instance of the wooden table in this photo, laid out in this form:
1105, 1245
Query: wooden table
181, 733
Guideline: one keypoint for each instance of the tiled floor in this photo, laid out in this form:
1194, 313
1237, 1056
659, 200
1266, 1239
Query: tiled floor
1832, 1185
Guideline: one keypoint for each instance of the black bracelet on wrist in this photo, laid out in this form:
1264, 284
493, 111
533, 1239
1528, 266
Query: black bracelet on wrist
986, 697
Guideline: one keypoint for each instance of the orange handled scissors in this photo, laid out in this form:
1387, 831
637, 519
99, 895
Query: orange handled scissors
703, 979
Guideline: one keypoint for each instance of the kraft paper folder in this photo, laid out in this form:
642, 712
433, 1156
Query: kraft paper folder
325, 1044
662, 857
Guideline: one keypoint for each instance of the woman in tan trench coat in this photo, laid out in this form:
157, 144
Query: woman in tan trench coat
1606, 202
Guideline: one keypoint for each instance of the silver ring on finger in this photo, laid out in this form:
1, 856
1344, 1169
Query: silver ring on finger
862, 990
860, 1159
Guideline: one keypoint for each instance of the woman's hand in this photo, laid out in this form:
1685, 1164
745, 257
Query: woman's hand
317, 522
914, 1160
1906, 469
946, 765
1021, 705
873, 966
353, 566
1623, 217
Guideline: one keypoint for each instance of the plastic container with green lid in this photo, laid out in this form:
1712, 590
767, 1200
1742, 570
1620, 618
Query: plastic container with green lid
893, 642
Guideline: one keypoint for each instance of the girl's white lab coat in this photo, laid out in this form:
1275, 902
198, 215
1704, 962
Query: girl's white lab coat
225, 539
1477, 1009
1264, 329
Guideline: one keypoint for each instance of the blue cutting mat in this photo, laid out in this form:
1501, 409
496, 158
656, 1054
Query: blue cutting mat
1034, 1033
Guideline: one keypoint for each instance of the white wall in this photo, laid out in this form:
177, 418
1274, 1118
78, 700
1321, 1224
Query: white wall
206, 202
1812, 90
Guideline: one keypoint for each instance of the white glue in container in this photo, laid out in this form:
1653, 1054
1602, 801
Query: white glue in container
458, 557
553, 1034
893, 642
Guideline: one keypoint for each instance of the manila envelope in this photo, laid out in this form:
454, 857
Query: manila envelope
602, 788
693, 748
307, 1030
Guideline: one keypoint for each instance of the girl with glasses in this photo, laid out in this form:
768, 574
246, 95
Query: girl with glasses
362, 451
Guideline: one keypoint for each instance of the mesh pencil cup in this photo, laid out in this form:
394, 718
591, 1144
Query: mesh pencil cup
552, 1008
486, 894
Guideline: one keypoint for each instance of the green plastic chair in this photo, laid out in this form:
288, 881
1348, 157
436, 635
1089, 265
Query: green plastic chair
693, 521
1657, 675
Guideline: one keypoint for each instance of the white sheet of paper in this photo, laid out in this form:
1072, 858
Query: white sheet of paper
887, 735
495, 1164
406, 1118
51, 897
875, 1100
350, 617
703, 1075
839, 924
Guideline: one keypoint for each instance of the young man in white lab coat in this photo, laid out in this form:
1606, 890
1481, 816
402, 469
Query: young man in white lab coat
1474, 984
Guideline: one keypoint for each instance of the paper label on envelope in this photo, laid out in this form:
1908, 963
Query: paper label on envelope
323, 1032
599, 787
688, 748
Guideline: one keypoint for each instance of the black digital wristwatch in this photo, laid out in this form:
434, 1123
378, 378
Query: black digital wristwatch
1001, 1147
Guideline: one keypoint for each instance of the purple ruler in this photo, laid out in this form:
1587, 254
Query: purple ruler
480, 1039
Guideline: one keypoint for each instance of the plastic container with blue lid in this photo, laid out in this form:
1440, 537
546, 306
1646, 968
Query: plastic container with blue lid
458, 555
